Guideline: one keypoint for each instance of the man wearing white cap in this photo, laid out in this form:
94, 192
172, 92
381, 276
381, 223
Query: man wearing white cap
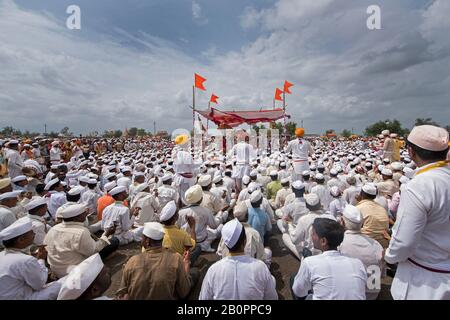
106, 199
176, 239
184, 166
359, 246
280, 198
337, 204
53, 173
237, 276
90, 196
322, 190
92, 279
387, 187
294, 210
22, 276
350, 194
8, 200
220, 191
210, 200
330, 275
120, 216
36, 211
157, 273
70, 242
14, 160
166, 192
274, 186
299, 240
147, 204
57, 196
376, 219
258, 218
245, 153
204, 218
420, 241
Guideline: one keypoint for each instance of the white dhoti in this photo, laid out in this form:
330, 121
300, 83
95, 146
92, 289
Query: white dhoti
412, 282
182, 184
240, 171
299, 167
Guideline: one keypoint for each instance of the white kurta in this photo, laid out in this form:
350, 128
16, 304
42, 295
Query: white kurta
119, 214
245, 154
57, 199
238, 278
300, 149
331, 276
422, 233
23, 277
150, 206
7, 217
15, 163
40, 229
90, 198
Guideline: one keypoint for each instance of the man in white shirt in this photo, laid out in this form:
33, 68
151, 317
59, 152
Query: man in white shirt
420, 242
184, 166
244, 153
36, 211
15, 161
351, 192
22, 276
237, 276
300, 149
330, 275
8, 200
55, 153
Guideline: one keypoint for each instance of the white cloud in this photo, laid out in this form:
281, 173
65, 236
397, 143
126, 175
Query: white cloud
197, 13
344, 75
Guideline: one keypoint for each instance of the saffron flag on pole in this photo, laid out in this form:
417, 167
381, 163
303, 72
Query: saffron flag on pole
278, 93
213, 98
199, 82
287, 85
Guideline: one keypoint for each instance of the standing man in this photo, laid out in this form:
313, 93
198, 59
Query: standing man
245, 154
300, 149
15, 161
55, 153
388, 146
420, 241
184, 166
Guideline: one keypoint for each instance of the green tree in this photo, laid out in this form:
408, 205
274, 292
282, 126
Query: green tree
117, 133
391, 125
7, 131
66, 132
346, 133
427, 121
330, 131
133, 132
290, 128
140, 132
53, 134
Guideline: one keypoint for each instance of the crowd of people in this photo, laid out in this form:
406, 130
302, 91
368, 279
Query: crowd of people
352, 211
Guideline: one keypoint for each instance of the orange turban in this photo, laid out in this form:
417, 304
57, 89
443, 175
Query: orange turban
299, 132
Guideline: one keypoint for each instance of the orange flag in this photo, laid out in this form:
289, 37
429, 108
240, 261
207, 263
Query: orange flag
278, 93
213, 98
287, 85
199, 82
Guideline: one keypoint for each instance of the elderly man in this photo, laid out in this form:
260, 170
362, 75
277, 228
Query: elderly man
376, 219
147, 204
292, 212
420, 241
359, 246
70, 242
157, 273
330, 275
166, 192
22, 276
237, 276
301, 149
210, 200
387, 187
204, 218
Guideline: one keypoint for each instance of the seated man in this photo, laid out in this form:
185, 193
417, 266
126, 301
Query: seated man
22, 276
237, 276
120, 216
176, 239
257, 217
157, 273
359, 246
94, 279
293, 211
70, 242
330, 275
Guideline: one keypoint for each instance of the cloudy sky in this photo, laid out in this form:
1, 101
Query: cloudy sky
133, 61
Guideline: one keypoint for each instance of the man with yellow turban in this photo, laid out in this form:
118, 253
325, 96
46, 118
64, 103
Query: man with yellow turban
183, 165
300, 149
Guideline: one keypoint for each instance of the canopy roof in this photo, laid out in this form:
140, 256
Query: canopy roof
236, 118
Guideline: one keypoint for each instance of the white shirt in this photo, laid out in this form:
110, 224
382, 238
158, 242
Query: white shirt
149, 205
7, 217
300, 148
15, 163
40, 229
22, 276
331, 276
203, 218
254, 246
350, 194
238, 278
119, 214
323, 192
245, 153
55, 154
166, 194
57, 199
295, 210
90, 198
337, 207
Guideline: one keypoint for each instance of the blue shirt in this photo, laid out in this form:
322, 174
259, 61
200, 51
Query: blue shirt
259, 220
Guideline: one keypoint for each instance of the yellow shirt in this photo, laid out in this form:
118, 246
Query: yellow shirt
177, 239
376, 221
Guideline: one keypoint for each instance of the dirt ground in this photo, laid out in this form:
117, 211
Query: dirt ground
284, 264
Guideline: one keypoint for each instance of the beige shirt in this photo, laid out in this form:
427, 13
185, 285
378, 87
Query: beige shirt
387, 188
376, 221
254, 246
68, 244
211, 202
